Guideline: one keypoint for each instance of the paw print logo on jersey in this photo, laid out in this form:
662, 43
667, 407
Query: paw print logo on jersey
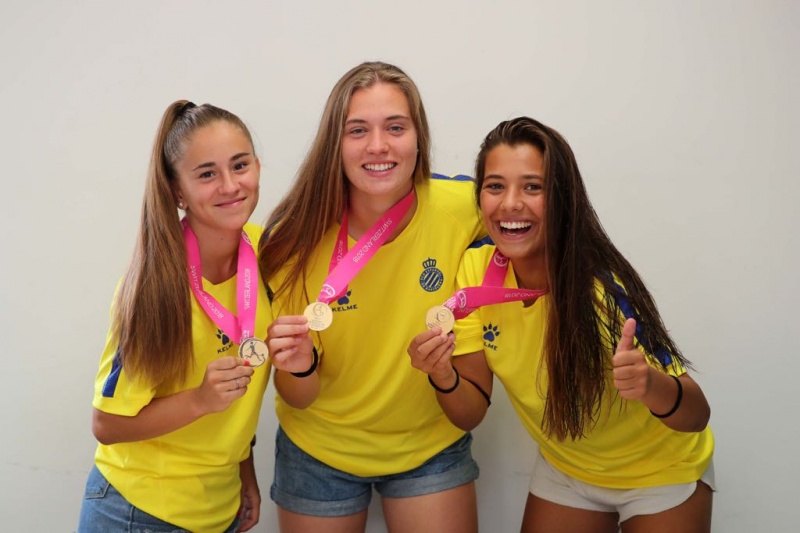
225, 341
344, 303
432, 278
344, 300
490, 334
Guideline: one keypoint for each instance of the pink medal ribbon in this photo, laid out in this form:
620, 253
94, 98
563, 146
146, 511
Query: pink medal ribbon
240, 326
491, 291
345, 265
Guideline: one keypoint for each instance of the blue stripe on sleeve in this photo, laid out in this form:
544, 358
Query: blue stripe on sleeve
486, 241
110, 386
458, 177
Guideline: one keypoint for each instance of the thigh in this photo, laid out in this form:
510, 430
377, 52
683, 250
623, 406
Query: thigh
299, 523
449, 511
542, 516
692, 516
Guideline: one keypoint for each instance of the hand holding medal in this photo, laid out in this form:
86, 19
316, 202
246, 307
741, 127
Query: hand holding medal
290, 345
225, 381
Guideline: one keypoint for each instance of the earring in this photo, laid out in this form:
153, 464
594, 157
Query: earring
181, 205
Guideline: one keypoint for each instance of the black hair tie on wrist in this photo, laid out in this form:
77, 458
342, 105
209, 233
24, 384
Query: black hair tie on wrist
677, 400
311, 370
446, 391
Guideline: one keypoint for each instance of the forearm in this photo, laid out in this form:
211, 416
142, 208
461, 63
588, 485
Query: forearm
247, 470
159, 417
693, 411
465, 406
298, 392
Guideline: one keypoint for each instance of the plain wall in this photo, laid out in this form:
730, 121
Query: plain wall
683, 116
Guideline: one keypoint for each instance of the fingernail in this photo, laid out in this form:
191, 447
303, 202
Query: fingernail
246, 362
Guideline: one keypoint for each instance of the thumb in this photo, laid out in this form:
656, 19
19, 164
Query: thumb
628, 331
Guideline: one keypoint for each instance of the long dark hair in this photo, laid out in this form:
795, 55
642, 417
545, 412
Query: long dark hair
578, 252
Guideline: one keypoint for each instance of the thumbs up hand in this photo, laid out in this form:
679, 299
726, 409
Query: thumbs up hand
632, 374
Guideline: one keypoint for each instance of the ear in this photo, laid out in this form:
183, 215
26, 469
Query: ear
178, 196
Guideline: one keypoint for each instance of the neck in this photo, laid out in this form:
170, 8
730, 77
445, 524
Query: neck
364, 212
219, 253
531, 273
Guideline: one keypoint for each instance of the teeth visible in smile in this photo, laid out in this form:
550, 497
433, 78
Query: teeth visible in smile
379, 167
515, 225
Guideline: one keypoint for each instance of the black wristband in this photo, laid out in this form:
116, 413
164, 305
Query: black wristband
677, 400
446, 391
311, 370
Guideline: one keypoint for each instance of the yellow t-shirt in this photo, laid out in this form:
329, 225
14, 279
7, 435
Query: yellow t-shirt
189, 477
627, 448
376, 414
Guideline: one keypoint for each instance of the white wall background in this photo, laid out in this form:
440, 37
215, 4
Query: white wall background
683, 116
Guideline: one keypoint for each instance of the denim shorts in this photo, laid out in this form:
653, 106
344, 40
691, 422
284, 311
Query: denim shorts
307, 486
552, 485
105, 510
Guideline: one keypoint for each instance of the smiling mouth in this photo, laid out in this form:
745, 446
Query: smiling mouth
515, 228
380, 167
231, 202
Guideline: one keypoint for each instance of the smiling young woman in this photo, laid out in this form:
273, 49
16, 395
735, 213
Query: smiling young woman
368, 233
174, 411
576, 339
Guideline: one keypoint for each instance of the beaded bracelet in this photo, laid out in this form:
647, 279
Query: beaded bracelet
677, 400
311, 370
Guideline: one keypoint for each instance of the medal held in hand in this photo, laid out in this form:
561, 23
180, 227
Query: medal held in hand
319, 316
254, 351
440, 316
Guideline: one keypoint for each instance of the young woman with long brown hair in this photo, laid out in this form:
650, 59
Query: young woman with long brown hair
366, 240
175, 407
580, 348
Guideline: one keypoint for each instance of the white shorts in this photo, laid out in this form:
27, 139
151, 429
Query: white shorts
554, 486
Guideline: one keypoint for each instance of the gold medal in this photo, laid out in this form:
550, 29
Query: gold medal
440, 316
319, 316
254, 350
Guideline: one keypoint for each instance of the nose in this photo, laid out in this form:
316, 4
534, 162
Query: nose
228, 183
512, 200
376, 144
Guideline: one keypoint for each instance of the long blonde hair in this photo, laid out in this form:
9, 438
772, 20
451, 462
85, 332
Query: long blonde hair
319, 196
152, 312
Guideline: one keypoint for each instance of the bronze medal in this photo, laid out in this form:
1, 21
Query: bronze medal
440, 316
319, 316
254, 350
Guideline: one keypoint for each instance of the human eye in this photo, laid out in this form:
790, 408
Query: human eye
357, 131
241, 165
493, 186
533, 187
397, 128
208, 174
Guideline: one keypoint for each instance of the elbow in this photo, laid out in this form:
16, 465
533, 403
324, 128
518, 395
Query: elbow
468, 423
702, 421
101, 430
298, 403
